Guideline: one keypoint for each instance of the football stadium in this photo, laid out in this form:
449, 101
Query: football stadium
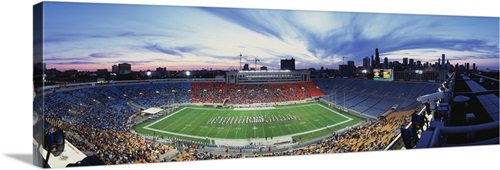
163, 84
258, 115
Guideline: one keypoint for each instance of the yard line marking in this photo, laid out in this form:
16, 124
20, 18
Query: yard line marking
192, 121
334, 111
155, 122
211, 138
307, 119
181, 119
148, 127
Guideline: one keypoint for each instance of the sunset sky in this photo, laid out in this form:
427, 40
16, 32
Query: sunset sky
95, 36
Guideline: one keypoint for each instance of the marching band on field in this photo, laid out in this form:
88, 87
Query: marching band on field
252, 119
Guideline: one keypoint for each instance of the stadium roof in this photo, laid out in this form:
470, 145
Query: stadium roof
490, 102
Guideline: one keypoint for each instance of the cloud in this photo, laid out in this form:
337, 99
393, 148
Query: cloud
162, 49
105, 55
187, 49
76, 63
56, 37
134, 62
313, 38
62, 58
180, 51
137, 34
260, 21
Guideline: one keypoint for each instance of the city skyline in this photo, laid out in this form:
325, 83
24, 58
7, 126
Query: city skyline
88, 37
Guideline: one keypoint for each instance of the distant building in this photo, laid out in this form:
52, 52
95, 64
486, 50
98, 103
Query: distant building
386, 62
288, 64
161, 72
412, 62
102, 72
161, 69
373, 62
366, 63
124, 68
442, 59
347, 70
246, 67
405, 61
351, 63
71, 71
114, 68
377, 58
263, 68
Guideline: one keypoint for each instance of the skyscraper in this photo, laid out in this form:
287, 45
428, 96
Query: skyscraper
412, 62
377, 58
442, 59
366, 63
405, 61
373, 63
386, 62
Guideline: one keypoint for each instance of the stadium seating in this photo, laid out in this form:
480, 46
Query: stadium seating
102, 112
210, 92
373, 97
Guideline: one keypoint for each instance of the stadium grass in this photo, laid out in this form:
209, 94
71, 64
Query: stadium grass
194, 122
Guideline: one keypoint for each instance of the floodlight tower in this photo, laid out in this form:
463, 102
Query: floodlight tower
256, 63
240, 62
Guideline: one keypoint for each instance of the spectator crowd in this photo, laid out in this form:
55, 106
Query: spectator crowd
96, 119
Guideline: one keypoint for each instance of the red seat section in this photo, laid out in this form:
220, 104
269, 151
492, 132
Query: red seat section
210, 92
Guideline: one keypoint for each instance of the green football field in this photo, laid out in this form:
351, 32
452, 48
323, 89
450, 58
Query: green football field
301, 121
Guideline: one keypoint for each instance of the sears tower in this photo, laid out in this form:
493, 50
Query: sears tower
377, 58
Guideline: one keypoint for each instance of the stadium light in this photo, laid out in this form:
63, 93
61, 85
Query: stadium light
148, 73
188, 73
